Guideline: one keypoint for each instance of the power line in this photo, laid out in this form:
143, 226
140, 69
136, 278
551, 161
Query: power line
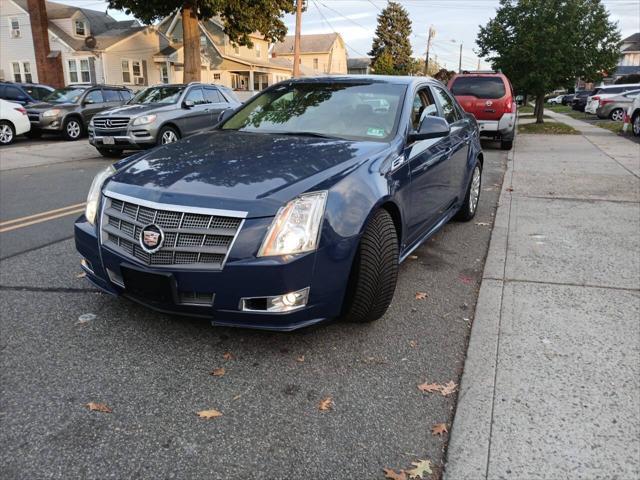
334, 30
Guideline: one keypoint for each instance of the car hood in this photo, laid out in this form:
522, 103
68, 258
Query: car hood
42, 106
248, 172
134, 110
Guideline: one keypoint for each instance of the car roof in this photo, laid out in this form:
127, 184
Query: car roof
390, 79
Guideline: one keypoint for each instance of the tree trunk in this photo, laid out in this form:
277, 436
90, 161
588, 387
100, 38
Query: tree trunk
540, 108
191, 42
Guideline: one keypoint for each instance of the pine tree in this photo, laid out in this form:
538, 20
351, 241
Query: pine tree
392, 38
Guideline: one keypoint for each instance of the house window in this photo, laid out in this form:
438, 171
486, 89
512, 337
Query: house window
258, 50
79, 70
26, 68
15, 27
17, 77
216, 76
80, 31
73, 71
85, 73
164, 73
126, 73
203, 41
136, 69
315, 63
132, 71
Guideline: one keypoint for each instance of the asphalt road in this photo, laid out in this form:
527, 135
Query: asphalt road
64, 345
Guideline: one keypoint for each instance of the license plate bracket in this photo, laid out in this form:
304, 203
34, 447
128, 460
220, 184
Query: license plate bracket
156, 287
108, 141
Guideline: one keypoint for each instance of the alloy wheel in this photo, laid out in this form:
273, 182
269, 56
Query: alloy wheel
636, 125
169, 137
617, 115
474, 192
6, 134
73, 129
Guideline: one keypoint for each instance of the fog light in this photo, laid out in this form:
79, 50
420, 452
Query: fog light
277, 304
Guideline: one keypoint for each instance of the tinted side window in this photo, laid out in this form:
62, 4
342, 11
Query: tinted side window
195, 95
423, 105
111, 96
479, 87
212, 95
13, 93
94, 96
447, 105
39, 93
125, 94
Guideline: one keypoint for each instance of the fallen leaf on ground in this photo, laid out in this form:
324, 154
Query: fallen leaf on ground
86, 318
465, 279
228, 356
439, 429
300, 359
449, 388
325, 404
509, 189
429, 387
81, 275
413, 344
218, 372
98, 407
421, 295
483, 224
413, 257
393, 475
208, 414
421, 470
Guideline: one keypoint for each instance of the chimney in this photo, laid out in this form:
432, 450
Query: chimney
48, 63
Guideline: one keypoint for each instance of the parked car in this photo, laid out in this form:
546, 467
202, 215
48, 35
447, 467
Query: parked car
567, 99
614, 107
489, 97
24, 93
67, 111
519, 100
13, 121
580, 100
609, 91
556, 100
295, 208
159, 115
633, 115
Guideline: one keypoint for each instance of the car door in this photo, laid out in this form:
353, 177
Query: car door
218, 103
92, 103
429, 169
198, 115
460, 141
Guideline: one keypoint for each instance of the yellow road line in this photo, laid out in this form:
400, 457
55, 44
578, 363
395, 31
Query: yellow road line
41, 214
40, 220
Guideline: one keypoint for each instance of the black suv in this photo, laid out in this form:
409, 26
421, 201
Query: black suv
69, 110
24, 93
579, 101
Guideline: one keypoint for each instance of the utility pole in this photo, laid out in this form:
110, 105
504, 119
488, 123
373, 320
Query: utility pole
296, 42
478, 64
460, 61
431, 34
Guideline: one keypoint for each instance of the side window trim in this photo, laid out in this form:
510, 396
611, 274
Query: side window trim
440, 107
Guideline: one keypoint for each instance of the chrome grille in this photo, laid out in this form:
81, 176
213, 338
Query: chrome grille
111, 122
193, 239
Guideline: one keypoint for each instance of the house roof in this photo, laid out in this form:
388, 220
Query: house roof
360, 62
635, 38
317, 43
104, 28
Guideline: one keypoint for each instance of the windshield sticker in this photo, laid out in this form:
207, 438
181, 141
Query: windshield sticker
375, 132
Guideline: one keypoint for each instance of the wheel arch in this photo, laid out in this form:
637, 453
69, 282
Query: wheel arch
170, 123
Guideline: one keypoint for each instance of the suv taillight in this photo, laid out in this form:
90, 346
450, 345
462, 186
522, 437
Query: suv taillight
508, 107
595, 98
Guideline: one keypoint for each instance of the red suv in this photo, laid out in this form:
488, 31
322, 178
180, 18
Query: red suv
489, 97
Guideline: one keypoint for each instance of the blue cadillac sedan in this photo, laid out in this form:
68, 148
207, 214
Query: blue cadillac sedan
296, 208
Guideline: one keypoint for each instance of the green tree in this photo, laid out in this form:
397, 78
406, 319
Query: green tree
392, 38
543, 44
240, 19
383, 65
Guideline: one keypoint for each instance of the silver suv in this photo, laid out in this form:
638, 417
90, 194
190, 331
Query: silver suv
159, 115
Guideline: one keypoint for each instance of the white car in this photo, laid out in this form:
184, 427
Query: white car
556, 100
13, 121
633, 116
593, 102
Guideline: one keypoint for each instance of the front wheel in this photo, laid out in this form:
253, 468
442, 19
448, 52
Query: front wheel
168, 135
617, 115
375, 271
72, 129
7, 133
471, 199
635, 123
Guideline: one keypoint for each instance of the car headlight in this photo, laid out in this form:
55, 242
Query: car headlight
54, 112
296, 226
93, 198
144, 119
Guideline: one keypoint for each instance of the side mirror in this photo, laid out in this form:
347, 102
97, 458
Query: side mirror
188, 104
225, 114
431, 127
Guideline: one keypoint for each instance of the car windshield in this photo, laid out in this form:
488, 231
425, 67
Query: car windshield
64, 95
38, 93
165, 95
348, 110
479, 87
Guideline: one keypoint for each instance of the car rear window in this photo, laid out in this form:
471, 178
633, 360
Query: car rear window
479, 87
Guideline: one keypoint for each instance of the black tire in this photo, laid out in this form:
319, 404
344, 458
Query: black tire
506, 144
167, 133
72, 129
468, 209
7, 132
109, 152
375, 271
34, 133
635, 124
618, 113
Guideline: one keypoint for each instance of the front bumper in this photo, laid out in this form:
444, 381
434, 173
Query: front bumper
325, 272
46, 124
503, 128
131, 138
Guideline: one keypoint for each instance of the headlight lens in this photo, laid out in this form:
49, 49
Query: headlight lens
143, 120
296, 226
94, 193
54, 112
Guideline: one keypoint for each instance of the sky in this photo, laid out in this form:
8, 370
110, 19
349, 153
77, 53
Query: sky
455, 22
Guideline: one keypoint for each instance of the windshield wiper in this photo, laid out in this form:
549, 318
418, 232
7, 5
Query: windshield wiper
308, 134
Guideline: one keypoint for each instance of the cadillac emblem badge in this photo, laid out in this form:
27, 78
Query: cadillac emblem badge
151, 238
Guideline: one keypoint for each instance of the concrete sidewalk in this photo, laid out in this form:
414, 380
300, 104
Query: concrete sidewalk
551, 384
